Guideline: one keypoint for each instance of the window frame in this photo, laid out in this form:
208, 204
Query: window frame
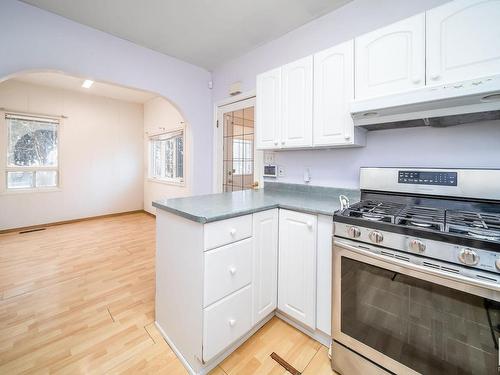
58, 121
172, 133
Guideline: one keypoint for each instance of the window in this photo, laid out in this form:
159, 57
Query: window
242, 157
167, 156
32, 152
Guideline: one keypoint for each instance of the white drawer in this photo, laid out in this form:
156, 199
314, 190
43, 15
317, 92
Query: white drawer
226, 321
227, 269
222, 232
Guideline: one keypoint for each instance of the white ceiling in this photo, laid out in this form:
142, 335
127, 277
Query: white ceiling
66, 82
203, 32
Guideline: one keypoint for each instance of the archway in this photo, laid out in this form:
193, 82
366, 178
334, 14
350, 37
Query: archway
23, 94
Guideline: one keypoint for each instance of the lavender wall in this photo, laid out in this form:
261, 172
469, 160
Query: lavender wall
32, 39
475, 145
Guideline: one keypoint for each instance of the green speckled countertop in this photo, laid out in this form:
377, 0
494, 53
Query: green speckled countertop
303, 198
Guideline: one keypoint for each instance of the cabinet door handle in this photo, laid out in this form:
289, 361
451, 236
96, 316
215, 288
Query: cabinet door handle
231, 322
232, 232
434, 76
275, 143
309, 224
416, 80
282, 142
232, 270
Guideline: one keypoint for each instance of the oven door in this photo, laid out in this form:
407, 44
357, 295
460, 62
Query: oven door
409, 319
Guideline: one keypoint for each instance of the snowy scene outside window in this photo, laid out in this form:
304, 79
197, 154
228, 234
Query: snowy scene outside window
32, 152
167, 157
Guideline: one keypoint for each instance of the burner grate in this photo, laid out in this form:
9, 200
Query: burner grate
480, 225
422, 217
374, 210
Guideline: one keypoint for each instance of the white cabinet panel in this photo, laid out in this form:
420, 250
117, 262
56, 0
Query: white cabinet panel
226, 321
324, 279
463, 41
297, 266
227, 269
333, 91
265, 263
391, 59
268, 109
297, 95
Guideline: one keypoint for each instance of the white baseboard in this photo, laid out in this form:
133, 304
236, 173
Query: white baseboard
175, 350
317, 335
209, 366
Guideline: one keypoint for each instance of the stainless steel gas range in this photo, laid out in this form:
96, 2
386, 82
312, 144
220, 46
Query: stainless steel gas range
416, 273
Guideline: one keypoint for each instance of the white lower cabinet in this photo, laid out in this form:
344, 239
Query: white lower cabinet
226, 321
297, 266
216, 283
265, 263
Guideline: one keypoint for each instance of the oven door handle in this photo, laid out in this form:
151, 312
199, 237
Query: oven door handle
467, 284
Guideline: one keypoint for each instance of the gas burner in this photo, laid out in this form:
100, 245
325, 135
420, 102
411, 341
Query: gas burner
371, 216
421, 217
479, 225
374, 210
484, 235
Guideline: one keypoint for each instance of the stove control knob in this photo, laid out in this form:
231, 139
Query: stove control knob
376, 237
468, 257
417, 246
353, 232
497, 264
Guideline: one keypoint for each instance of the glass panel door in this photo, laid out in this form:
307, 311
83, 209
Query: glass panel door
238, 149
430, 328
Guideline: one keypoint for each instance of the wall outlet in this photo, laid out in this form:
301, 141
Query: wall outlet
269, 157
281, 171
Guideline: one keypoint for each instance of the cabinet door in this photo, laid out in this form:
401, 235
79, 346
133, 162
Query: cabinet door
297, 266
391, 59
265, 264
463, 41
333, 91
268, 109
297, 92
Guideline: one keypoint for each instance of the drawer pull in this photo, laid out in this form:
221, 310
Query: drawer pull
231, 322
232, 270
232, 231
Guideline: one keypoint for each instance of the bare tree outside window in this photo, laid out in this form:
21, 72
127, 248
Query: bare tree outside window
32, 152
167, 156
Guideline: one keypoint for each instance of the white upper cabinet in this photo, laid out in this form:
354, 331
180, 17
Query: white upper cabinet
463, 41
265, 263
268, 110
297, 103
391, 59
297, 266
333, 91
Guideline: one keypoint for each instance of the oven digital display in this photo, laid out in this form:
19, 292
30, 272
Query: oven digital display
428, 178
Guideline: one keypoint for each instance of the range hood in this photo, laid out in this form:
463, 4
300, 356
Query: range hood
439, 106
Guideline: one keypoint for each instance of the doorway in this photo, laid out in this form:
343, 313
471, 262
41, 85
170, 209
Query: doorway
238, 166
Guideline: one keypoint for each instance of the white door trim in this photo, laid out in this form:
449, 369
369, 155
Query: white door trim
242, 100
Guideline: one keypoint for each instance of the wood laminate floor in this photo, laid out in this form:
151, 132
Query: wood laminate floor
79, 299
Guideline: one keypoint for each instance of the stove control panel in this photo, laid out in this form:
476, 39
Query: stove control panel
427, 178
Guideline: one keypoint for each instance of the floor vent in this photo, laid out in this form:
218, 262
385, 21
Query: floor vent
288, 367
32, 230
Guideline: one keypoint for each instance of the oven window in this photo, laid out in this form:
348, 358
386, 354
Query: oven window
430, 328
